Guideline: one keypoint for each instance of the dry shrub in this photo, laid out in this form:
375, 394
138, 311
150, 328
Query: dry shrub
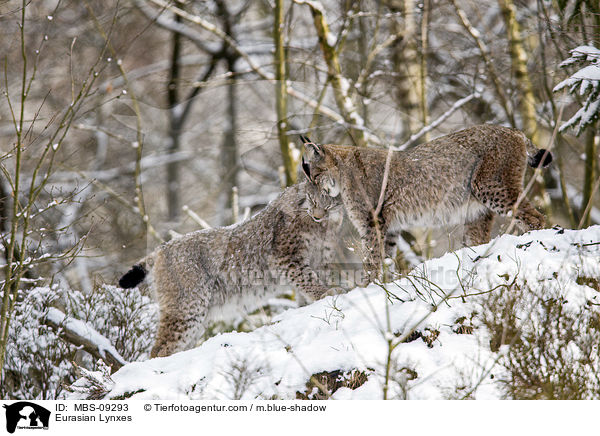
552, 345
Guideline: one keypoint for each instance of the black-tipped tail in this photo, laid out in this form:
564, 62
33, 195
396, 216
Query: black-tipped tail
133, 277
542, 158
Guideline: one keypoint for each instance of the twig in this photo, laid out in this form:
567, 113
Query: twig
195, 217
68, 329
485, 55
235, 205
457, 105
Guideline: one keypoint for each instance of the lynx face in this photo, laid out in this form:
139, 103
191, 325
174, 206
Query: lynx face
319, 205
319, 170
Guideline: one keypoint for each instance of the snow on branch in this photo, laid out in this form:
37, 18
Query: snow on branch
82, 335
340, 85
428, 128
585, 82
350, 119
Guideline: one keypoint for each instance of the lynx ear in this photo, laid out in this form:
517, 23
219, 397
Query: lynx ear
306, 169
312, 151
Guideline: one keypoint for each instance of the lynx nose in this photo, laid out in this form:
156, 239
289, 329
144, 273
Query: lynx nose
318, 214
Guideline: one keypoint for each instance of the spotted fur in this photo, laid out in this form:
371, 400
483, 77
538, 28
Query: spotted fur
466, 177
216, 273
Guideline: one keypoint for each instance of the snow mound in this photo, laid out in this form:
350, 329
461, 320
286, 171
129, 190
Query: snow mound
424, 336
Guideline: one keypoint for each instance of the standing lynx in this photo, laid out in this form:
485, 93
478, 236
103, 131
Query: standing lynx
465, 177
206, 274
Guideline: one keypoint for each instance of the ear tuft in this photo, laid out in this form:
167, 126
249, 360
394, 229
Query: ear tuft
312, 151
305, 139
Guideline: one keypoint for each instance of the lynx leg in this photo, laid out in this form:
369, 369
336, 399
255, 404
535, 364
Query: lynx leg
177, 333
373, 241
499, 189
306, 279
372, 252
390, 243
478, 232
372, 234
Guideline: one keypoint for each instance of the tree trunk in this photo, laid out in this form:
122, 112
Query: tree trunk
407, 64
229, 151
290, 163
589, 180
518, 57
174, 128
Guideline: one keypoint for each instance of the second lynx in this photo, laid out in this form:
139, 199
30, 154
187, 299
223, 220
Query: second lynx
465, 177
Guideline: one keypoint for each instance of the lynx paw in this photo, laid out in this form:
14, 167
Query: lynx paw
372, 272
334, 291
532, 221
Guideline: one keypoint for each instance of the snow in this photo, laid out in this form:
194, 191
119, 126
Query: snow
316, 5
583, 52
84, 330
586, 81
354, 331
331, 40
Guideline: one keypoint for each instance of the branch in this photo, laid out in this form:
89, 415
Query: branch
147, 163
175, 26
364, 75
339, 83
457, 105
195, 217
355, 125
485, 55
81, 335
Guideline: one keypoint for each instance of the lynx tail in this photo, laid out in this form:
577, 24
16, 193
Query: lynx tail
541, 157
133, 277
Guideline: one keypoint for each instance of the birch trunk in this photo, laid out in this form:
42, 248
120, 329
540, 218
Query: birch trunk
340, 85
407, 64
518, 57
290, 163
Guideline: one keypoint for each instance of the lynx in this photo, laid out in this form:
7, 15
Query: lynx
204, 275
464, 177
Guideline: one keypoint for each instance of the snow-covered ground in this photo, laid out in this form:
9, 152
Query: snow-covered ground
425, 336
